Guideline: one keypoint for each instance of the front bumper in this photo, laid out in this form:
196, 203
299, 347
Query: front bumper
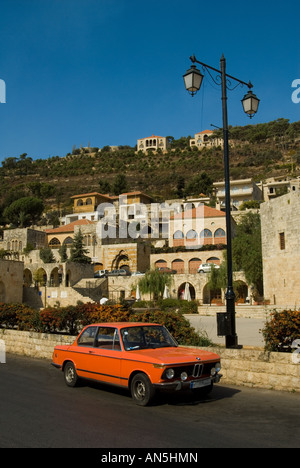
178, 385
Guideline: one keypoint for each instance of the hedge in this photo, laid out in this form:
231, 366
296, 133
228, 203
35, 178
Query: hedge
281, 331
70, 320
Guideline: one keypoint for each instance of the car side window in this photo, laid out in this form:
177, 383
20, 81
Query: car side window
108, 338
87, 338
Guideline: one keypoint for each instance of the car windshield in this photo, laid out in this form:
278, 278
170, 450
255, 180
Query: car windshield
147, 337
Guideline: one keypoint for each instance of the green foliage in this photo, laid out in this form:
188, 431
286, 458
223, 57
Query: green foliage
154, 283
46, 255
63, 253
281, 330
78, 252
71, 320
247, 250
176, 323
24, 212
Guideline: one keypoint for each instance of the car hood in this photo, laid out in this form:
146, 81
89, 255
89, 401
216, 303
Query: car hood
173, 356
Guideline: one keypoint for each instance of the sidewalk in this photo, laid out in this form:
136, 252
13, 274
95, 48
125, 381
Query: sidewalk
248, 329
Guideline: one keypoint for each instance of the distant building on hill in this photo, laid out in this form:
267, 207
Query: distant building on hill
152, 143
204, 140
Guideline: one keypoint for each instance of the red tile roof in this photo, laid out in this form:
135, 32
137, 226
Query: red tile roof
69, 227
200, 212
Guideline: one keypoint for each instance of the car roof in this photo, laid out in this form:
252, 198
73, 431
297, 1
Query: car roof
122, 324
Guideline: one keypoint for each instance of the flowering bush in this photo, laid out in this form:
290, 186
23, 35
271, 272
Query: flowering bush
71, 320
280, 332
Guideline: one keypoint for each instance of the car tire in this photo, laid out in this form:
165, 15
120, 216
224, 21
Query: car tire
71, 377
142, 390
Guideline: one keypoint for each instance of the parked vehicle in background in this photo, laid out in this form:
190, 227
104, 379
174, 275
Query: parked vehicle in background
101, 274
119, 273
167, 270
142, 357
207, 267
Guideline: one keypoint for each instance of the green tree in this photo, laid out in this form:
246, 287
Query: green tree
78, 252
247, 250
46, 255
154, 283
63, 253
24, 212
120, 184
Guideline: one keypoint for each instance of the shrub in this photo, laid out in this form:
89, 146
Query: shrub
176, 323
17, 316
280, 332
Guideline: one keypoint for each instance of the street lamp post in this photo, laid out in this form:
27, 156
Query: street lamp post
193, 80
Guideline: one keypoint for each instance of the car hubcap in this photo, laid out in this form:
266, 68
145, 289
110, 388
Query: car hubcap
140, 390
70, 375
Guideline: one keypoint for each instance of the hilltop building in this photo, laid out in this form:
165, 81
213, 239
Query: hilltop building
153, 143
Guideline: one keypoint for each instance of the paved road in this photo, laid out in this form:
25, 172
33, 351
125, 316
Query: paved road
248, 329
37, 411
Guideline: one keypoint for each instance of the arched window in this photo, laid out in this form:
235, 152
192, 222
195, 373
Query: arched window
206, 233
206, 237
220, 233
191, 235
178, 239
68, 242
80, 203
178, 235
54, 243
89, 201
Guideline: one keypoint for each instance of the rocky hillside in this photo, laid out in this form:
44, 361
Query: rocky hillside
258, 151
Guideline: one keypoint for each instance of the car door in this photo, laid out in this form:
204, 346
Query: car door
106, 356
83, 352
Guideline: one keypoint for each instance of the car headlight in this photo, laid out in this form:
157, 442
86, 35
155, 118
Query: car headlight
183, 376
170, 373
216, 369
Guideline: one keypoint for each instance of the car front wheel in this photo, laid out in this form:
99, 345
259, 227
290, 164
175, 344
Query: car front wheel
142, 390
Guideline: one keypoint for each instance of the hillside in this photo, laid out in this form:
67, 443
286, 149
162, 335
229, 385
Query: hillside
258, 151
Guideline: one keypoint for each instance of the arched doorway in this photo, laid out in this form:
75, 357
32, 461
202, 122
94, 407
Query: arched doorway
121, 259
55, 278
178, 265
40, 277
212, 296
241, 292
27, 278
194, 264
181, 292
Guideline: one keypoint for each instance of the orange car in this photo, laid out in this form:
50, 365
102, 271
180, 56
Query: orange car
142, 357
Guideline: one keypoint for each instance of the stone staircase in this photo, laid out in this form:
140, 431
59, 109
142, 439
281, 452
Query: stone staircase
93, 288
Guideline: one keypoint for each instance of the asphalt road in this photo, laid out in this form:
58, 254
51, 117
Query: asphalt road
37, 410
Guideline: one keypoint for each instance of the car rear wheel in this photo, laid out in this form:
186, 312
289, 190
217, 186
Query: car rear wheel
71, 377
142, 390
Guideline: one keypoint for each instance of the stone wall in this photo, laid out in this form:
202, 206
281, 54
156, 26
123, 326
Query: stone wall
280, 220
248, 367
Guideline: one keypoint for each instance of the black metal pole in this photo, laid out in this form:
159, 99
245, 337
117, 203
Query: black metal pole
232, 339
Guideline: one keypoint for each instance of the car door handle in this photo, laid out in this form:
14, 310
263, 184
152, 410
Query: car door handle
91, 352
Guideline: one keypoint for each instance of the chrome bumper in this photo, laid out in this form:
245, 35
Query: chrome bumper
181, 385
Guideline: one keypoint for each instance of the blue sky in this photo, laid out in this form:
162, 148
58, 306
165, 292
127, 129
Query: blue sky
107, 72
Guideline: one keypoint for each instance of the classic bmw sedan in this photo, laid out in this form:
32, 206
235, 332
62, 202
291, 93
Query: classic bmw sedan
142, 357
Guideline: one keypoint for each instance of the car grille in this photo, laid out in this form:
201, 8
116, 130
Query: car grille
193, 371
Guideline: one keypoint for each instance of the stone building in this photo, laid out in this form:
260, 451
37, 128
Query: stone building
11, 281
205, 139
280, 219
152, 143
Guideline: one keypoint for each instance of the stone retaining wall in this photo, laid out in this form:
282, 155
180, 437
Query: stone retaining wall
249, 367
